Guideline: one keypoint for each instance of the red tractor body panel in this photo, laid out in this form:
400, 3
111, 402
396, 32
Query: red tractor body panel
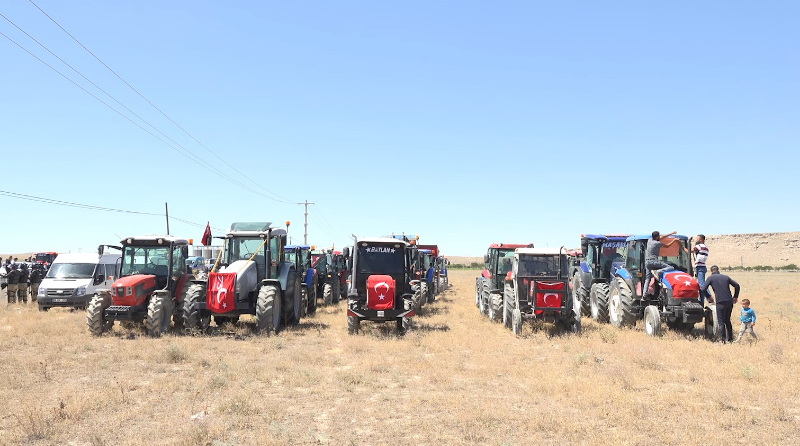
132, 290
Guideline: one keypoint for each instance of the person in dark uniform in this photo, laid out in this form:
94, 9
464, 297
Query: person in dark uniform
22, 288
721, 284
13, 281
36, 279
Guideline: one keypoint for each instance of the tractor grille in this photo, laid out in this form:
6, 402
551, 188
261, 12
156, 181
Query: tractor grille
119, 309
692, 307
59, 292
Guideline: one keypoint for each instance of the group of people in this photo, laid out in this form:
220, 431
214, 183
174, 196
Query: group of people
720, 283
21, 280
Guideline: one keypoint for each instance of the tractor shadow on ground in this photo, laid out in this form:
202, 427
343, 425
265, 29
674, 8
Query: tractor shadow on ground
428, 310
430, 328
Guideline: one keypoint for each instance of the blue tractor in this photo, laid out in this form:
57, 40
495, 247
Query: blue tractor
300, 256
591, 273
673, 298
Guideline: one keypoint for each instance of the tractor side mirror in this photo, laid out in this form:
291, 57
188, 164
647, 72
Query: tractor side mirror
486, 258
185, 251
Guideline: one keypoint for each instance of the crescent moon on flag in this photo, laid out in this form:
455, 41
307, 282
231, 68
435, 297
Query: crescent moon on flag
220, 291
383, 284
546, 295
676, 276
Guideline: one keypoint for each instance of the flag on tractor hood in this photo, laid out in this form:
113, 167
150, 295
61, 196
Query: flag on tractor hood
549, 294
221, 294
380, 292
206, 240
683, 285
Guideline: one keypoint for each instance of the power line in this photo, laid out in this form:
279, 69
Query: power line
327, 223
94, 208
200, 163
284, 199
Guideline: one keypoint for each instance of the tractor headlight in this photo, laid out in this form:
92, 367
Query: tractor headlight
42, 292
128, 291
80, 291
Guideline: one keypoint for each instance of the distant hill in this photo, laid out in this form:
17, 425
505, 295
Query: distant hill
728, 250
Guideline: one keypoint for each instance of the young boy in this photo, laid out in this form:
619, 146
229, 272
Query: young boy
748, 319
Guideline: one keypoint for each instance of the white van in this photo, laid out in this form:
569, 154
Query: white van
73, 278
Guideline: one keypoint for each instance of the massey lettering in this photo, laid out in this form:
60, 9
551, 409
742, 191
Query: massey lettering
382, 249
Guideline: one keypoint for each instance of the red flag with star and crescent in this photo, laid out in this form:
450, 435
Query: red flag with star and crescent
683, 285
380, 292
549, 294
206, 240
221, 293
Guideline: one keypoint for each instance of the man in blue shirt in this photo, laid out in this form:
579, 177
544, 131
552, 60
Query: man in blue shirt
721, 284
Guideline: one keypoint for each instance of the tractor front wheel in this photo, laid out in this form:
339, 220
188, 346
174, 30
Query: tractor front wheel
652, 321
598, 302
423, 295
268, 310
710, 325
580, 295
159, 314
336, 291
193, 317
516, 322
327, 294
508, 305
353, 324
620, 305
95, 314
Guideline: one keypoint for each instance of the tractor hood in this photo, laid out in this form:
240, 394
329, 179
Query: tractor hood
132, 290
246, 277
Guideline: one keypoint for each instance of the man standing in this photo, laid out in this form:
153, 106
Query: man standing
36, 279
721, 284
654, 266
22, 288
700, 251
13, 280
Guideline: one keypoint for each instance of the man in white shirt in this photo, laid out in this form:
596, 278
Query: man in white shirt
700, 251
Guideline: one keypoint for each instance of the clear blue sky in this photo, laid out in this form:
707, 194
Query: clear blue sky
463, 122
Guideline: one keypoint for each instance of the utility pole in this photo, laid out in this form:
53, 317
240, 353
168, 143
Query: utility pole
166, 209
305, 222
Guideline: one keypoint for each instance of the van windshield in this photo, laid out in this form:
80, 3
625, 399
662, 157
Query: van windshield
71, 271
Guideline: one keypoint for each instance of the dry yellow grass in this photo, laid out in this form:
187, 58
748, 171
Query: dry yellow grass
455, 379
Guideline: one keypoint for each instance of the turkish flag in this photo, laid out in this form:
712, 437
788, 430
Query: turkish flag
380, 292
206, 240
221, 293
549, 294
683, 285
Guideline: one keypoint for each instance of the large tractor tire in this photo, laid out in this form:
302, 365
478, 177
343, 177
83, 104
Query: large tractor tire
95, 314
581, 295
652, 321
312, 297
416, 296
478, 291
404, 323
327, 294
496, 307
509, 303
159, 314
423, 295
292, 299
336, 292
516, 322
433, 290
268, 310
442, 286
303, 301
620, 305
575, 325
194, 318
177, 310
710, 323
598, 302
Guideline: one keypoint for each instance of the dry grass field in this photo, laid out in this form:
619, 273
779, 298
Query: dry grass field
455, 379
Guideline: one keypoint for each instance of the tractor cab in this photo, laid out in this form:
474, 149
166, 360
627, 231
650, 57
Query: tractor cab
676, 255
322, 261
252, 250
300, 256
602, 255
498, 263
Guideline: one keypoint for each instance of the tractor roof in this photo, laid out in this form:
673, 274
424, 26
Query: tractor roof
510, 245
250, 226
153, 240
646, 237
382, 240
425, 251
300, 247
540, 251
612, 237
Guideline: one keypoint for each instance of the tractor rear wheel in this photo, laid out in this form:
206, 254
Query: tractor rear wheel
95, 314
495, 307
292, 300
159, 314
327, 294
508, 305
620, 305
516, 322
598, 302
353, 324
312, 297
423, 295
268, 310
193, 317
304, 301
652, 321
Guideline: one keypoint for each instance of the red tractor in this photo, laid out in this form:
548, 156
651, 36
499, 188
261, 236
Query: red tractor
151, 288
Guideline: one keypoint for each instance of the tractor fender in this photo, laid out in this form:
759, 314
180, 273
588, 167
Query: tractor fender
182, 282
429, 275
310, 277
283, 274
584, 267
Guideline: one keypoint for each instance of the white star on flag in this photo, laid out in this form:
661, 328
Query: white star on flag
380, 296
224, 305
687, 283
